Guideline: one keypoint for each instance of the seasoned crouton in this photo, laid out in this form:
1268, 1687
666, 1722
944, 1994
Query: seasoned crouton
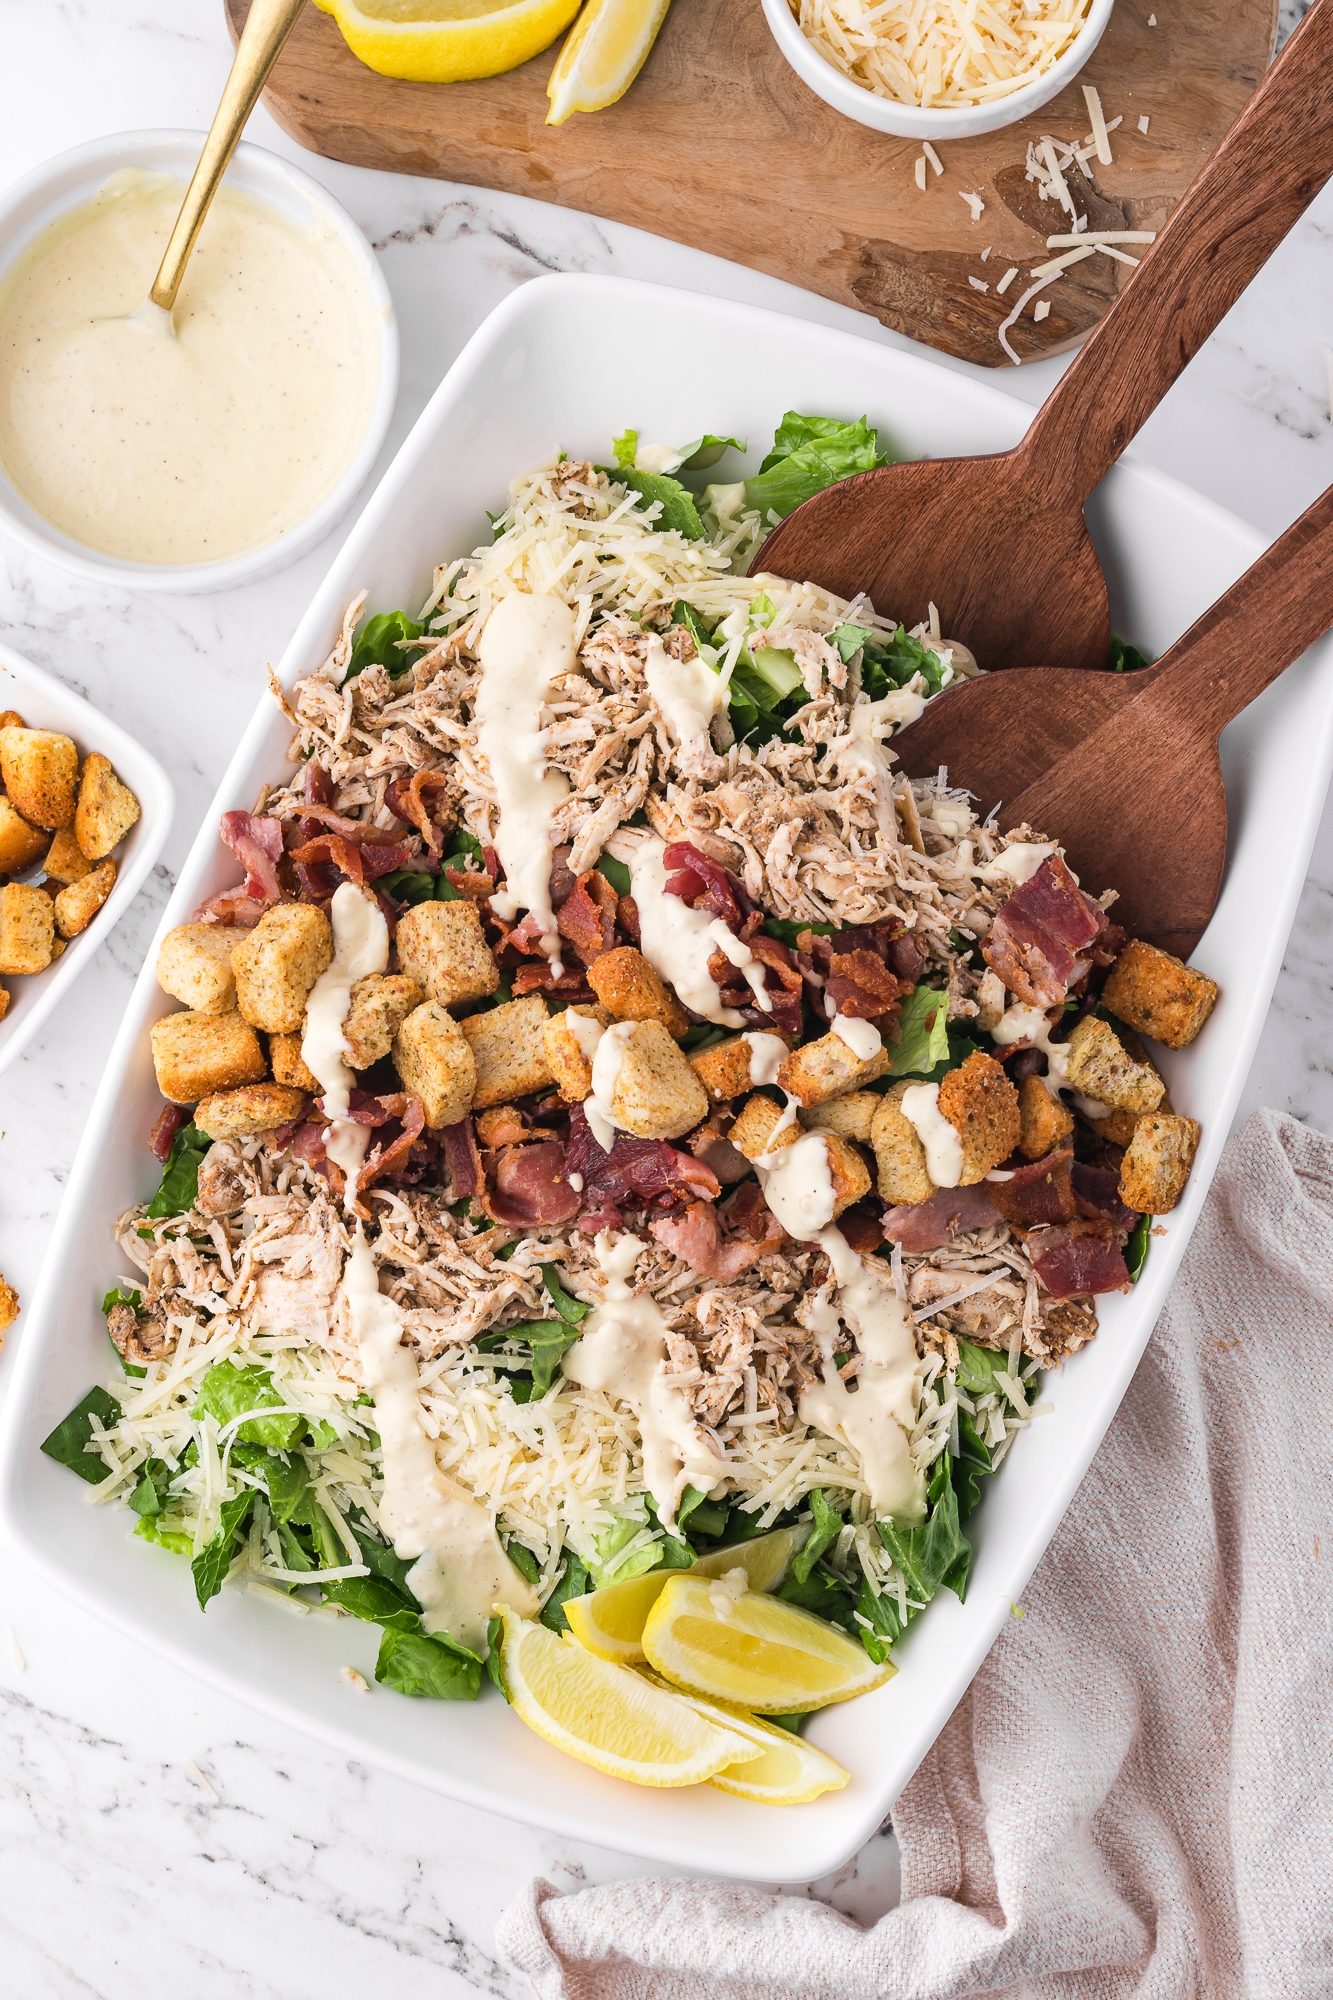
278, 962
826, 1069
379, 1005
981, 1104
630, 990
1043, 1120
254, 1107
851, 1116
656, 1094
436, 1063
77, 905
755, 1131
106, 810
899, 1154
65, 860
194, 966
508, 1046
1158, 994
289, 1065
4, 1001
39, 767
9, 1305
11, 719
1157, 1162
443, 947
197, 1054
724, 1070
21, 845
1098, 1065
27, 927
1117, 1127
847, 1170
569, 1054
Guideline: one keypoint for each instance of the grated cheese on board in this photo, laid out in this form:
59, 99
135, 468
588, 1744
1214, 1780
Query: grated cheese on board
937, 54
921, 172
1099, 138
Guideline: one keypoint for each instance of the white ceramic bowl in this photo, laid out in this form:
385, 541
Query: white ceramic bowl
910, 121
569, 362
50, 191
46, 703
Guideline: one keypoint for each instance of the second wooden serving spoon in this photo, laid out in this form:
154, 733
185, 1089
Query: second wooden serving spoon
1122, 769
999, 543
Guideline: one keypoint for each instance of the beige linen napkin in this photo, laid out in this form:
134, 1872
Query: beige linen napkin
1136, 1794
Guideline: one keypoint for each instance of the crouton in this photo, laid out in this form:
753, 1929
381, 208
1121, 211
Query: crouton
1157, 1162
1158, 994
755, 1128
9, 1305
196, 1055
981, 1104
847, 1170
568, 1064
656, 1094
254, 1107
106, 809
724, 1070
1043, 1120
851, 1117
21, 845
77, 905
443, 947
1117, 1127
65, 860
278, 962
58, 945
39, 767
4, 1001
900, 1156
508, 1047
435, 1061
194, 966
1097, 1064
11, 719
27, 927
379, 1005
630, 990
289, 1065
826, 1069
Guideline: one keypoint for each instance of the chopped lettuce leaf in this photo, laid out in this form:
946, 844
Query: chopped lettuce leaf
626, 448
616, 873
150, 1495
494, 1635
1136, 1250
119, 1298
213, 1561
924, 1019
788, 929
147, 1529
179, 1186
569, 1309
808, 454
574, 1583
226, 1391
377, 1602
977, 1368
678, 510
430, 1664
892, 663
67, 1442
702, 453
1124, 658
377, 644
777, 669
828, 1526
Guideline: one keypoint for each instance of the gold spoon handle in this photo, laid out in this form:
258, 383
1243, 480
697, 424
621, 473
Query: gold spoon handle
266, 29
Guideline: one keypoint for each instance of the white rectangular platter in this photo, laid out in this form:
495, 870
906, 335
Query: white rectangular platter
565, 363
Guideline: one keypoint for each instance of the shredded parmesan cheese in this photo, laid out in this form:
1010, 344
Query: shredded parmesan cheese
1121, 256
1053, 268
932, 156
1099, 138
1040, 310
921, 172
975, 203
935, 53
1007, 280
1101, 236
1143, 122
1012, 320
978, 285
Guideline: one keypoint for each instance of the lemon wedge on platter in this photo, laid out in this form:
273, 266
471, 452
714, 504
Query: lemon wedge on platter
609, 1716
788, 1772
764, 1655
599, 62
609, 1621
449, 41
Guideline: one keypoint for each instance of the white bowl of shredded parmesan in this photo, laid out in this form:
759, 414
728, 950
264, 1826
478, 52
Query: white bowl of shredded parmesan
937, 69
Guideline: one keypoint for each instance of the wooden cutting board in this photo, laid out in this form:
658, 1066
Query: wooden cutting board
721, 146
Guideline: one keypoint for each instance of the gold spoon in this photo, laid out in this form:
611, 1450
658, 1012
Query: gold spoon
266, 29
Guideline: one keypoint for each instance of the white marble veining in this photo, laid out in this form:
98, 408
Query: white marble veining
311, 1875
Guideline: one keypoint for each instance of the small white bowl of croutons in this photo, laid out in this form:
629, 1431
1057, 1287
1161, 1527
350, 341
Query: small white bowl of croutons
84, 814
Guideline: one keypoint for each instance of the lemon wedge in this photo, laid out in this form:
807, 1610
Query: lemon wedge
603, 56
766, 1655
448, 41
609, 1621
609, 1716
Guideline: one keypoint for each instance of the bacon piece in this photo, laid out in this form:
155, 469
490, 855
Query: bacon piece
364, 1108
256, 841
1037, 1192
635, 1172
332, 848
726, 1161
282, 1136
464, 1161
410, 804
385, 1159
1097, 1192
627, 919
165, 1127
1108, 947
1078, 1259
563, 881
527, 935
783, 986
310, 1139
705, 884
861, 986
695, 1236
1037, 935
531, 1187
317, 818
317, 786
746, 1213
571, 988
477, 888
862, 1225
950, 1212
587, 917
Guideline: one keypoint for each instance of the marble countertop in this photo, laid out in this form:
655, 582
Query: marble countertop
148, 1825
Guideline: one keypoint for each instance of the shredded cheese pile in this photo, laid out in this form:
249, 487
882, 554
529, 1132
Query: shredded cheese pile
941, 53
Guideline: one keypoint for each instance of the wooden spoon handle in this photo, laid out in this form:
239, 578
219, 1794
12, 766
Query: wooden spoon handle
1282, 604
1267, 170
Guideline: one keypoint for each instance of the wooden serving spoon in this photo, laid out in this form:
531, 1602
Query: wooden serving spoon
999, 543
1122, 769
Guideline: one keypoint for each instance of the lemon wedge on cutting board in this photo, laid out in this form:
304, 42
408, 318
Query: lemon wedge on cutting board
609, 1716
609, 1621
448, 41
602, 57
764, 1655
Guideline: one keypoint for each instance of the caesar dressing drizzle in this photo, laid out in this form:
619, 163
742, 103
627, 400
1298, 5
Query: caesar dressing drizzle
676, 940
361, 947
